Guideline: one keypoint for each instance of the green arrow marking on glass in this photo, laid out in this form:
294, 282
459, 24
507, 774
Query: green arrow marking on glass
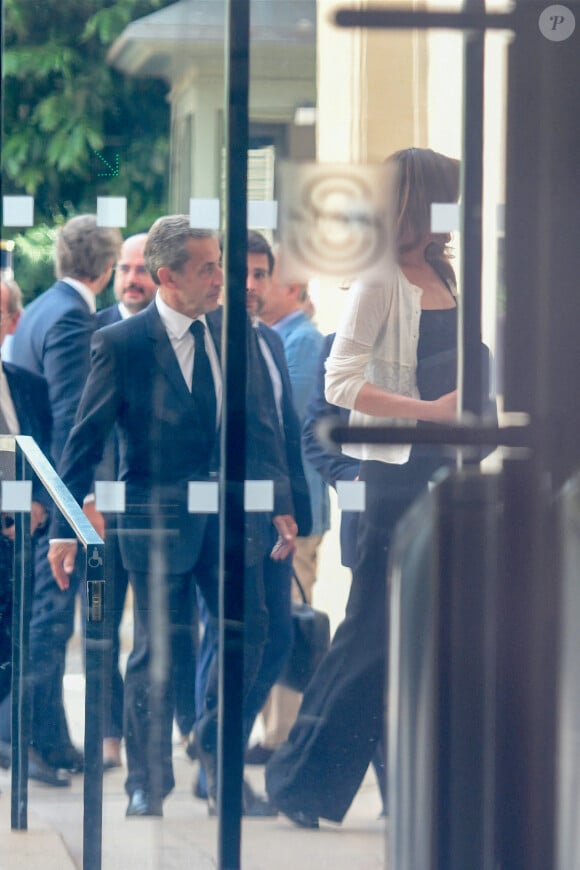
112, 169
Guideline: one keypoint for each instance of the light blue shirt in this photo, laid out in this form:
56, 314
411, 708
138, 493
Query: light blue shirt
302, 347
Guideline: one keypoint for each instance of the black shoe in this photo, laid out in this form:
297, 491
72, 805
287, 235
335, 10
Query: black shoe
302, 820
140, 804
67, 757
40, 771
258, 754
254, 806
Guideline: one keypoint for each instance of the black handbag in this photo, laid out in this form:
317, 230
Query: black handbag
311, 641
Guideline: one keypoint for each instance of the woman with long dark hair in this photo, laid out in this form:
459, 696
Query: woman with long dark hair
387, 333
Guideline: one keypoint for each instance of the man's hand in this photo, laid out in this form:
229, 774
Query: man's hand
61, 556
95, 518
287, 530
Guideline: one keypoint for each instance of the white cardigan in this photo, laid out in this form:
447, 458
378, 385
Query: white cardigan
376, 342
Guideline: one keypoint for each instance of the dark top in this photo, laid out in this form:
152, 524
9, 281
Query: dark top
437, 332
436, 370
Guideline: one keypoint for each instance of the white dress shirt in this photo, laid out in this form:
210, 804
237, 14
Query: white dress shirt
83, 291
273, 371
177, 327
7, 406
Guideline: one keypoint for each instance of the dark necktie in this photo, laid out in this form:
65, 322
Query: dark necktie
202, 385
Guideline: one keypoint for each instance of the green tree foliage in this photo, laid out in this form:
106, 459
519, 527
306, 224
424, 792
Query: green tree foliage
63, 106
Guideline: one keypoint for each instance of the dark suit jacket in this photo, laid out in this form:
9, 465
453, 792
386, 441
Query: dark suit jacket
135, 381
53, 340
331, 466
300, 494
30, 398
108, 315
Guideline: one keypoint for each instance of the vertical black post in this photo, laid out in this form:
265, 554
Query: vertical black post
542, 365
467, 561
233, 469
95, 646
22, 605
471, 223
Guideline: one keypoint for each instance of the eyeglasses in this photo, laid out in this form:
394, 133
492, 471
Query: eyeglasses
124, 268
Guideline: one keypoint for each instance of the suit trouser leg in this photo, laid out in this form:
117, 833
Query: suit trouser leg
320, 767
275, 651
256, 626
277, 580
118, 581
150, 680
51, 627
185, 664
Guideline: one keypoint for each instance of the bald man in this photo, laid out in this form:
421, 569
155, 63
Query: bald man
134, 289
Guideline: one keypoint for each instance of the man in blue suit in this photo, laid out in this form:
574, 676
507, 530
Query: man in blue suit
24, 410
331, 465
167, 427
53, 340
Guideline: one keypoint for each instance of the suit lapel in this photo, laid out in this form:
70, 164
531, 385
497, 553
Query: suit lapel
164, 353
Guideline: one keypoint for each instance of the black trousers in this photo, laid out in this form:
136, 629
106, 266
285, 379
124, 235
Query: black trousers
51, 627
116, 592
164, 612
185, 658
321, 766
161, 621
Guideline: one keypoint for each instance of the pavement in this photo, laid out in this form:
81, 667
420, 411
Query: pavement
185, 836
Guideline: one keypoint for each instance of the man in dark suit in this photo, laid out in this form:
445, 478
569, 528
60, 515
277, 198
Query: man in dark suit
167, 420
134, 289
277, 572
280, 305
332, 466
24, 410
53, 340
